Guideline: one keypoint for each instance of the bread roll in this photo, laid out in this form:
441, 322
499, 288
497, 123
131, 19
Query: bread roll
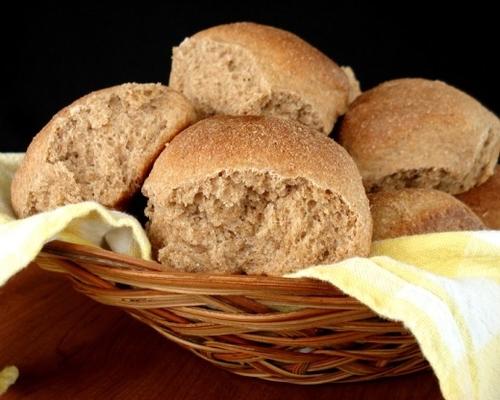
484, 200
421, 133
251, 69
99, 148
414, 211
260, 195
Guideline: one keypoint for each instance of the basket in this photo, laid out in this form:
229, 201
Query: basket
300, 331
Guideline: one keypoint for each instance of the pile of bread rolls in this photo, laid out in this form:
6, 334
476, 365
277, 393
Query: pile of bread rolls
240, 174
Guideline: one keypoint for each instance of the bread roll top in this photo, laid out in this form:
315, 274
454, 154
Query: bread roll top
484, 200
260, 195
286, 58
266, 144
421, 133
417, 211
251, 69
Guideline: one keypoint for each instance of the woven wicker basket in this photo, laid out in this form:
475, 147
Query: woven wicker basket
300, 331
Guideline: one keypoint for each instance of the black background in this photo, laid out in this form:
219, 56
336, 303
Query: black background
53, 55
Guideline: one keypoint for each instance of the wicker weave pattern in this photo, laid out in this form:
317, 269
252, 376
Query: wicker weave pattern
289, 330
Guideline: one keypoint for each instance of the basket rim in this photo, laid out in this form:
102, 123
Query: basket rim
106, 262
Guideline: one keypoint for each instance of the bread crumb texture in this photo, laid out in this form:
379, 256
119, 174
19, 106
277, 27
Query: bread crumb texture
99, 148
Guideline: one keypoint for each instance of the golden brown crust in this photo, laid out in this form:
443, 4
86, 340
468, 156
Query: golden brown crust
35, 169
288, 64
417, 126
484, 200
416, 211
264, 144
284, 52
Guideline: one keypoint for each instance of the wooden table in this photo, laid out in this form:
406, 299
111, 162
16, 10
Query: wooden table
68, 347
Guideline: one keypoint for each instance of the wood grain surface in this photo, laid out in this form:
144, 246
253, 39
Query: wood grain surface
68, 347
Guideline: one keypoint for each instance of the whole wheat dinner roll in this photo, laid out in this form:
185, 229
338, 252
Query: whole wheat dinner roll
260, 195
421, 133
414, 211
99, 148
250, 69
484, 200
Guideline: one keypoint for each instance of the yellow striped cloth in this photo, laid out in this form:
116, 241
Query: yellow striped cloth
444, 287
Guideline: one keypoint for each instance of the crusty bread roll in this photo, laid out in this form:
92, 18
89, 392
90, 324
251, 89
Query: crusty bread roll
414, 211
99, 148
421, 133
484, 200
260, 195
251, 69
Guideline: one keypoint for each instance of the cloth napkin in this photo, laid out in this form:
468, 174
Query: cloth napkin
444, 287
